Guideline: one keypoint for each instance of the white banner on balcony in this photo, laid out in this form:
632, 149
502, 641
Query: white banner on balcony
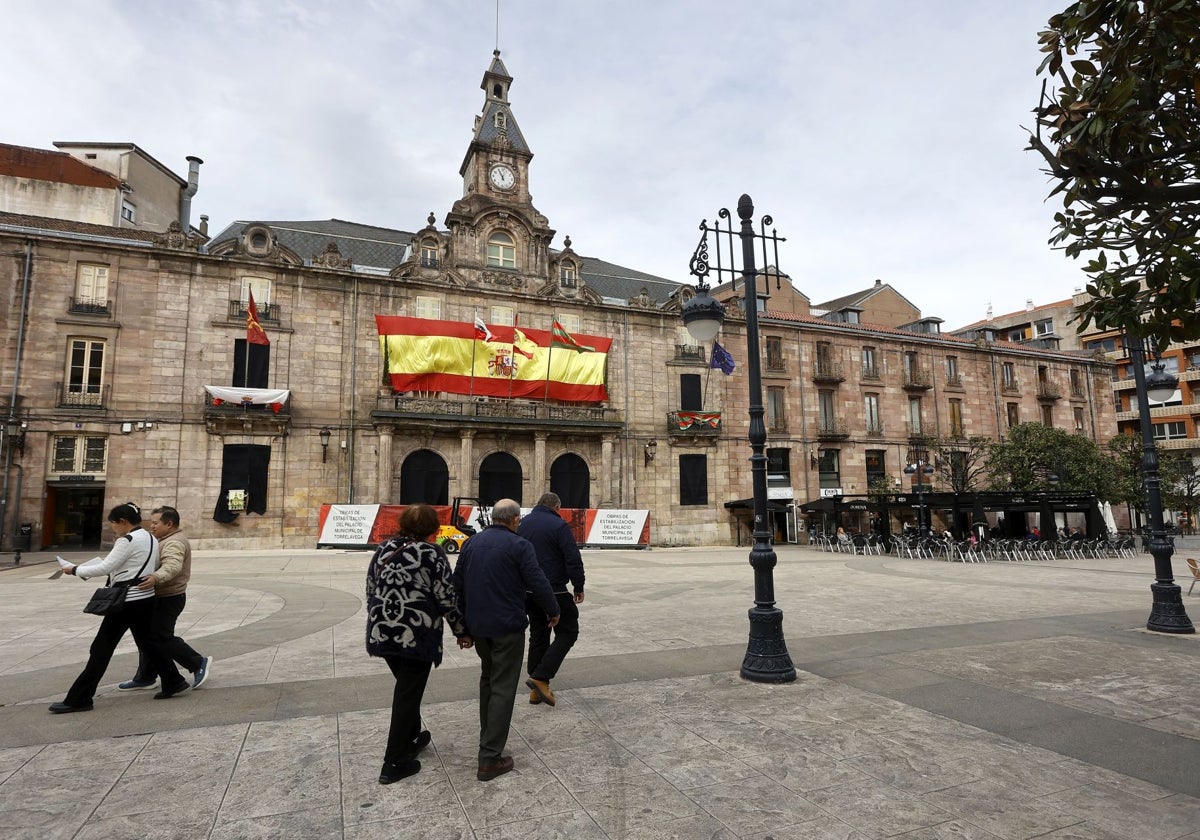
248, 396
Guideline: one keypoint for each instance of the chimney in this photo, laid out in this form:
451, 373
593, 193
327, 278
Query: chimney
1028, 304
203, 225
185, 199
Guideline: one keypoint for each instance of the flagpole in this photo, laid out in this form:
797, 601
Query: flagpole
474, 343
512, 355
246, 367
549, 359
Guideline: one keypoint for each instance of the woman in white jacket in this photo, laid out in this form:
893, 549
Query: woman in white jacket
133, 556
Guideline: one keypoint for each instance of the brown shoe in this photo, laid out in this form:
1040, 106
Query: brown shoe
487, 772
534, 697
542, 689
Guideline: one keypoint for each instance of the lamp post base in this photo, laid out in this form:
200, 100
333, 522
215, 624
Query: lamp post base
767, 658
1167, 614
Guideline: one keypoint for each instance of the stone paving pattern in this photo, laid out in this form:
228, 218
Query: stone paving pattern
934, 701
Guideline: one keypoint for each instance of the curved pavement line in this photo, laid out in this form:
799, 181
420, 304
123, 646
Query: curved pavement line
306, 609
865, 564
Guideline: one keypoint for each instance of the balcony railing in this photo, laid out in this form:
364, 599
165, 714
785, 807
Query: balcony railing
875, 430
429, 262
1048, 391
829, 429
954, 380
518, 411
1077, 391
917, 380
870, 372
825, 371
82, 396
957, 432
778, 426
694, 423
689, 353
775, 362
917, 429
1010, 386
89, 306
268, 313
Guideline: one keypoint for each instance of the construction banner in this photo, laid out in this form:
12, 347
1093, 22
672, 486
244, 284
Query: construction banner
422, 354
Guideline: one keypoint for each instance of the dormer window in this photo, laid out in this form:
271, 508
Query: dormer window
429, 254
566, 275
501, 119
501, 251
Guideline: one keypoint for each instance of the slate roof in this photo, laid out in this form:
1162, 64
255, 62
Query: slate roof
610, 280
51, 226
363, 245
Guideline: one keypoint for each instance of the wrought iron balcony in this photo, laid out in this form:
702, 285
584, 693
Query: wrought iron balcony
1048, 391
875, 430
918, 430
832, 430
689, 353
826, 371
917, 380
775, 362
778, 426
405, 409
870, 372
694, 423
1010, 386
953, 380
268, 313
429, 262
86, 397
90, 306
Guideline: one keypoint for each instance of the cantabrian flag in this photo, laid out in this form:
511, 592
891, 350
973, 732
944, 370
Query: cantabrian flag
423, 354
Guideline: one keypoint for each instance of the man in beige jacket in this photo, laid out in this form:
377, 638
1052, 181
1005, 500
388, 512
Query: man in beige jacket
169, 582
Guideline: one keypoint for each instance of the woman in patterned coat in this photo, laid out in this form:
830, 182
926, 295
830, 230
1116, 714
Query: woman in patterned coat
408, 594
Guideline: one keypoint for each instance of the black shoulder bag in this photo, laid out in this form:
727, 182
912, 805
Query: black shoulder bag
110, 599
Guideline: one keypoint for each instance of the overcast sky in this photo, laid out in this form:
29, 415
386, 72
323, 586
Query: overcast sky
883, 137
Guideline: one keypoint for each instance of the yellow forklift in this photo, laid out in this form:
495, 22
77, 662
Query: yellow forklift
451, 537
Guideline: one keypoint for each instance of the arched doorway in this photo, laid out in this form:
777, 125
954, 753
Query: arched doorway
424, 479
499, 478
571, 480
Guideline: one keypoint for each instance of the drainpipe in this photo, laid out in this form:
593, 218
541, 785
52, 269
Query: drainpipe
353, 394
12, 400
185, 199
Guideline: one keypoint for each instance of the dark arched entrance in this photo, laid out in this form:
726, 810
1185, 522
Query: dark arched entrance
499, 478
424, 479
571, 480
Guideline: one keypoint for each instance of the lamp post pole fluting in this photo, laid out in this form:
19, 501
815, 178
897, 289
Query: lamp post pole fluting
1167, 613
767, 658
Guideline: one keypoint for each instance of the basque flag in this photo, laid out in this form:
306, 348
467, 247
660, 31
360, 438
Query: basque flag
721, 359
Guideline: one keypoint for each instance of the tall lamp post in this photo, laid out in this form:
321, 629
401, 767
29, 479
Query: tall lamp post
1167, 614
767, 658
918, 465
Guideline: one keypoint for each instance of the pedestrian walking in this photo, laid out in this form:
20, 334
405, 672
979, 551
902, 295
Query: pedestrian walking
409, 592
558, 555
169, 583
134, 551
494, 571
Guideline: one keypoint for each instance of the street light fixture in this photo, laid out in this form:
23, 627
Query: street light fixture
1167, 614
918, 465
767, 658
324, 435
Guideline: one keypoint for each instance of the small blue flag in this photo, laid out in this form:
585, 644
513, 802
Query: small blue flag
721, 359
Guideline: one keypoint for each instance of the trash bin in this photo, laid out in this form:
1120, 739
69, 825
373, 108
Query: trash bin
24, 537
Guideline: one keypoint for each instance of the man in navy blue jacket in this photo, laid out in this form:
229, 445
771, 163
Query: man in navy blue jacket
494, 572
558, 555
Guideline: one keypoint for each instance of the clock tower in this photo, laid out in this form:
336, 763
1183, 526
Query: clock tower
497, 161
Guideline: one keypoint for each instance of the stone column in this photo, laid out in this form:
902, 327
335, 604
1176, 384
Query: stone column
466, 439
605, 485
540, 480
384, 487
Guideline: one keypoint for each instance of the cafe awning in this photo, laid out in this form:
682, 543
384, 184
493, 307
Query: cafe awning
748, 504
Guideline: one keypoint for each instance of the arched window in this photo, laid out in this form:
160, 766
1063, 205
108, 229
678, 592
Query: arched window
566, 274
424, 479
571, 480
501, 119
499, 478
502, 250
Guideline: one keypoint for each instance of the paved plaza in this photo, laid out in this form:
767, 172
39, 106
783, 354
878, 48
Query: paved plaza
934, 700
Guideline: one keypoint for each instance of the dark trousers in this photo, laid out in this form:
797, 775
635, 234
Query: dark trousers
500, 670
167, 610
138, 618
411, 676
546, 657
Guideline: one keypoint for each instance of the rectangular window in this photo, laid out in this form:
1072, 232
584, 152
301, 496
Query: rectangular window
1014, 414
85, 371
776, 410
825, 409
1017, 335
571, 323
876, 471
502, 315
1108, 345
261, 287
1008, 373
429, 255
952, 375
914, 417
824, 355
427, 306
1047, 415
829, 465
693, 479
779, 473
1079, 427
956, 418
871, 413
1169, 431
869, 369
566, 275
1043, 327
91, 285
774, 353
128, 212
79, 455
1076, 382
910, 366
690, 394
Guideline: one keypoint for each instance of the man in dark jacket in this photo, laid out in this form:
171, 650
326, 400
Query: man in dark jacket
494, 572
558, 555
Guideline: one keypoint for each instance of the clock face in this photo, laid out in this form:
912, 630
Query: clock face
502, 177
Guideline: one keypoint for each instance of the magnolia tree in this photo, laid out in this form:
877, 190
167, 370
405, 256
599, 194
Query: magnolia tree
1118, 127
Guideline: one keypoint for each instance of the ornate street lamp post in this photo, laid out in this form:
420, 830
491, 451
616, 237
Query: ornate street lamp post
767, 658
918, 464
1167, 614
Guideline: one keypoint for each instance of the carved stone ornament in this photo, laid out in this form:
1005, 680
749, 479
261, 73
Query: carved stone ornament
642, 300
331, 257
175, 239
503, 279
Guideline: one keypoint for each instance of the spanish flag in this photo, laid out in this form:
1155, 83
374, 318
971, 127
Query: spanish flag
423, 354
